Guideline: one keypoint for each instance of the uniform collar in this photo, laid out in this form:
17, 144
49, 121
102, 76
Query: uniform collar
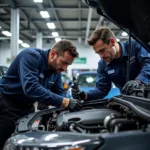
124, 49
46, 52
46, 69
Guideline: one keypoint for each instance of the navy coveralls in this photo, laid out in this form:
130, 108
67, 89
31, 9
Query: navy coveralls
116, 71
27, 80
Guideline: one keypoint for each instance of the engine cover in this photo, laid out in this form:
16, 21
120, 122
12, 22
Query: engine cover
85, 117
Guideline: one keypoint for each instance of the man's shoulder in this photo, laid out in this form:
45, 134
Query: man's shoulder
133, 43
102, 62
126, 47
127, 43
31, 51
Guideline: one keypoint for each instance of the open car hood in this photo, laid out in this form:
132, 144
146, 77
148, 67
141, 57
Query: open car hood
130, 15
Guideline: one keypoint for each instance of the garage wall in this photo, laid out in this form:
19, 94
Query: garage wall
5, 53
84, 51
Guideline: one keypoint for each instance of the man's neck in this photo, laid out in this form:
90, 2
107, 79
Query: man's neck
119, 50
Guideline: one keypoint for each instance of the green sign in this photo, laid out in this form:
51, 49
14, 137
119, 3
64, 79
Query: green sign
80, 60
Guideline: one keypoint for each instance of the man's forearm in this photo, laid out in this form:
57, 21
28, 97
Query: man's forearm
65, 102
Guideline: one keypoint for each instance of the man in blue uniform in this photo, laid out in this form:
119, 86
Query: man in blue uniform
112, 66
34, 76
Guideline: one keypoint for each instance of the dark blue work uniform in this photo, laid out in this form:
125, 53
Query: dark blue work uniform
27, 80
116, 71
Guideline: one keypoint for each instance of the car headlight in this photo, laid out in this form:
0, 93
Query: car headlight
51, 141
35, 148
75, 147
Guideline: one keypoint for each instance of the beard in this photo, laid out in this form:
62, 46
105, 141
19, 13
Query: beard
107, 59
111, 58
59, 71
53, 68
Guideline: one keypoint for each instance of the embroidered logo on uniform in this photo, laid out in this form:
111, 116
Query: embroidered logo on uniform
111, 71
51, 82
41, 75
132, 58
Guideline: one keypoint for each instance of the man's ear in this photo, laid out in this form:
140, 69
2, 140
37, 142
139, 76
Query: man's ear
112, 41
53, 53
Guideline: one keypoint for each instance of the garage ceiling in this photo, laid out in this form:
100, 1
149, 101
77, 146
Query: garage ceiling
73, 19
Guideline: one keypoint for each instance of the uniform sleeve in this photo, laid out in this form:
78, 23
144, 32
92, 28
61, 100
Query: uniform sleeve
143, 57
103, 84
28, 73
58, 86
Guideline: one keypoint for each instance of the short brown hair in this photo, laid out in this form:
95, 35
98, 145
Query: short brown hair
103, 34
66, 45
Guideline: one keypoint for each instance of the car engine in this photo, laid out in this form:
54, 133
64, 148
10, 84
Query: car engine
120, 113
98, 125
89, 121
85, 121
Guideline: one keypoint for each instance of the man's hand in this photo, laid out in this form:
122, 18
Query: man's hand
77, 94
74, 105
42, 106
130, 85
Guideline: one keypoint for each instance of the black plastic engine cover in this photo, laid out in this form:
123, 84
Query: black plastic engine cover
85, 117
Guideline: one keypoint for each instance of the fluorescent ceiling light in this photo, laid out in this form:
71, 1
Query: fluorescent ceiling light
38, 1
118, 40
57, 39
7, 33
55, 34
44, 14
25, 45
20, 41
51, 25
124, 34
0, 27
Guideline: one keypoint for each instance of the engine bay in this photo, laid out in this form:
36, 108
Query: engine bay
120, 113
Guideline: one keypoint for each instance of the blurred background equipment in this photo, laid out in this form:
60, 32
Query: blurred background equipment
66, 81
3, 70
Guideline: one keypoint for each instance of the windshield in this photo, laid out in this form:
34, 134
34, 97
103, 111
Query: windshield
87, 80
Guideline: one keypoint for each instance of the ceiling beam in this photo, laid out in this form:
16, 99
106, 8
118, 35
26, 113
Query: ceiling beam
54, 20
40, 7
64, 37
76, 37
4, 5
80, 16
56, 15
27, 18
100, 22
66, 8
66, 30
12, 3
6, 26
88, 24
4, 38
67, 37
